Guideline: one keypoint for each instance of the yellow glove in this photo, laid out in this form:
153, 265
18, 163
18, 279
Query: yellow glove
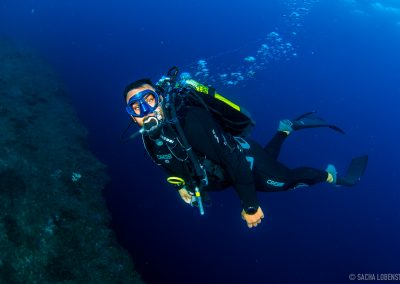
185, 195
254, 219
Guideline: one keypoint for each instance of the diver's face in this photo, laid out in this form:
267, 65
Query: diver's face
133, 92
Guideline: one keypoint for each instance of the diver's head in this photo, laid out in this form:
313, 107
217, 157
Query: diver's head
144, 104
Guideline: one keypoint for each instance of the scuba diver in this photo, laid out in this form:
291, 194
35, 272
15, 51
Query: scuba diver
200, 139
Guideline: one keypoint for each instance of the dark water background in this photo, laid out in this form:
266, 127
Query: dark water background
347, 68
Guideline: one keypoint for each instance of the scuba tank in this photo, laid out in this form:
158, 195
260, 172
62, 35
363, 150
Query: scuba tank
233, 118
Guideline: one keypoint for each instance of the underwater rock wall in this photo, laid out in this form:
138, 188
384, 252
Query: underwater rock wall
53, 218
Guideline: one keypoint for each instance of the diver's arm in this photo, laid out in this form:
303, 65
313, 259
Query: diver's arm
205, 137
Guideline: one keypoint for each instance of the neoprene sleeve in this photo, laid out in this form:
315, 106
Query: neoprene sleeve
206, 138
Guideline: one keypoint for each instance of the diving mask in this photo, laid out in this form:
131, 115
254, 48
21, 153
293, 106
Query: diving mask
143, 103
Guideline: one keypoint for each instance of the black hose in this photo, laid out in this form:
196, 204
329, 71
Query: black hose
124, 139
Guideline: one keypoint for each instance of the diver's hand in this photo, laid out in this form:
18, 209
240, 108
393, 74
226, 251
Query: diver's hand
253, 220
185, 195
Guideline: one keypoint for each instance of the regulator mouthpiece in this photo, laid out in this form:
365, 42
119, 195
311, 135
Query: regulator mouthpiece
150, 124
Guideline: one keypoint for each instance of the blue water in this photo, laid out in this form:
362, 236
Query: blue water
347, 67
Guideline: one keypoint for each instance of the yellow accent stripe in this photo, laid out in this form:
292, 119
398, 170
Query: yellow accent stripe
197, 194
192, 83
203, 89
228, 102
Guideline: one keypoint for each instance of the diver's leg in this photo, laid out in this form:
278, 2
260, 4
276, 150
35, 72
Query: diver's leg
271, 175
281, 178
273, 148
308, 176
268, 173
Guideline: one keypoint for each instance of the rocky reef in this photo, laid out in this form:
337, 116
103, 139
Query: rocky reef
53, 218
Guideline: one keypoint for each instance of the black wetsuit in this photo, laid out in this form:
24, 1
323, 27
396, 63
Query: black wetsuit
229, 161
